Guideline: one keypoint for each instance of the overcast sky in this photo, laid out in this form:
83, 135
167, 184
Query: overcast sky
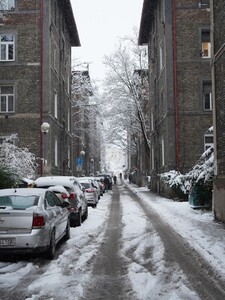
100, 23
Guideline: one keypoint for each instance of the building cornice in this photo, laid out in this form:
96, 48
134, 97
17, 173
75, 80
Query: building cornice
65, 6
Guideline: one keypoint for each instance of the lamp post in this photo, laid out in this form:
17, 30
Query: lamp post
44, 129
82, 154
91, 166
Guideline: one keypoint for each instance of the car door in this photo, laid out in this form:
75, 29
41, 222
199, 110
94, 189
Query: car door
82, 198
63, 215
55, 213
95, 191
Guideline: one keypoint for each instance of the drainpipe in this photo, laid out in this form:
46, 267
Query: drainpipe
41, 85
175, 84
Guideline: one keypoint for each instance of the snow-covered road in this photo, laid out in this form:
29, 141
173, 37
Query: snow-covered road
67, 276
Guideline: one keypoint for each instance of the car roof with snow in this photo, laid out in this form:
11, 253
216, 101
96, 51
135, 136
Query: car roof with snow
55, 180
58, 189
23, 191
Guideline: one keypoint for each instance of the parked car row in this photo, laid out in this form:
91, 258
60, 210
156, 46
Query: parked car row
94, 188
34, 220
102, 176
78, 202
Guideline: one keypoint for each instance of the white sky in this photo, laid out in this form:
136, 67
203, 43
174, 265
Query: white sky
100, 23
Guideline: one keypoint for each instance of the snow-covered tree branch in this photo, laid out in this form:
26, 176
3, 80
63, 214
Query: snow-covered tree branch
19, 160
126, 94
3, 9
201, 175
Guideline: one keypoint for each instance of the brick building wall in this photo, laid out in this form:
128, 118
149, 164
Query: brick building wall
43, 32
23, 73
192, 71
176, 90
218, 38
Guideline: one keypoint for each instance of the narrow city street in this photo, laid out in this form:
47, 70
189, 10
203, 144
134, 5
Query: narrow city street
110, 270
124, 250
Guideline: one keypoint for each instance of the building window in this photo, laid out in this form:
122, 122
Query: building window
56, 153
161, 57
7, 43
162, 11
68, 84
204, 4
68, 118
152, 121
153, 158
206, 45
161, 99
7, 5
6, 99
207, 96
56, 105
208, 141
55, 12
163, 152
68, 164
55, 58
63, 51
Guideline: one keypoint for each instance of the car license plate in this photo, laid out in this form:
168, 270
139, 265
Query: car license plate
7, 242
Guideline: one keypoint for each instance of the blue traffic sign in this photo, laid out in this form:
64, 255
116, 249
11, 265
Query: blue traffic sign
79, 161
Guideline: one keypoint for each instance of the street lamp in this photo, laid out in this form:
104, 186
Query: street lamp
82, 153
81, 166
91, 169
44, 129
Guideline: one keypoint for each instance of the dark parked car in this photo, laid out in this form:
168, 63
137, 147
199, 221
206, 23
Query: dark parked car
103, 175
78, 202
32, 221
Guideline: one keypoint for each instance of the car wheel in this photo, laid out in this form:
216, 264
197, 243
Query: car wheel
67, 233
73, 224
79, 219
85, 216
51, 250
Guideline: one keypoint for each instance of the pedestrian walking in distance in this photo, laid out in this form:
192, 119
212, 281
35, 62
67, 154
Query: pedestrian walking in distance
106, 183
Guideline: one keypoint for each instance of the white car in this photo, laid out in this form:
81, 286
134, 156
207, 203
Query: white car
78, 202
90, 190
60, 192
95, 185
32, 220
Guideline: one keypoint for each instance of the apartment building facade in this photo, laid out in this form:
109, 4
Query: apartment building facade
35, 79
178, 37
218, 75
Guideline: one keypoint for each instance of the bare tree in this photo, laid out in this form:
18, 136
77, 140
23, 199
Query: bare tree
126, 94
4, 6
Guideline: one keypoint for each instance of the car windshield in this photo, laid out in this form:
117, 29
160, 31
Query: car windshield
85, 185
19, 202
